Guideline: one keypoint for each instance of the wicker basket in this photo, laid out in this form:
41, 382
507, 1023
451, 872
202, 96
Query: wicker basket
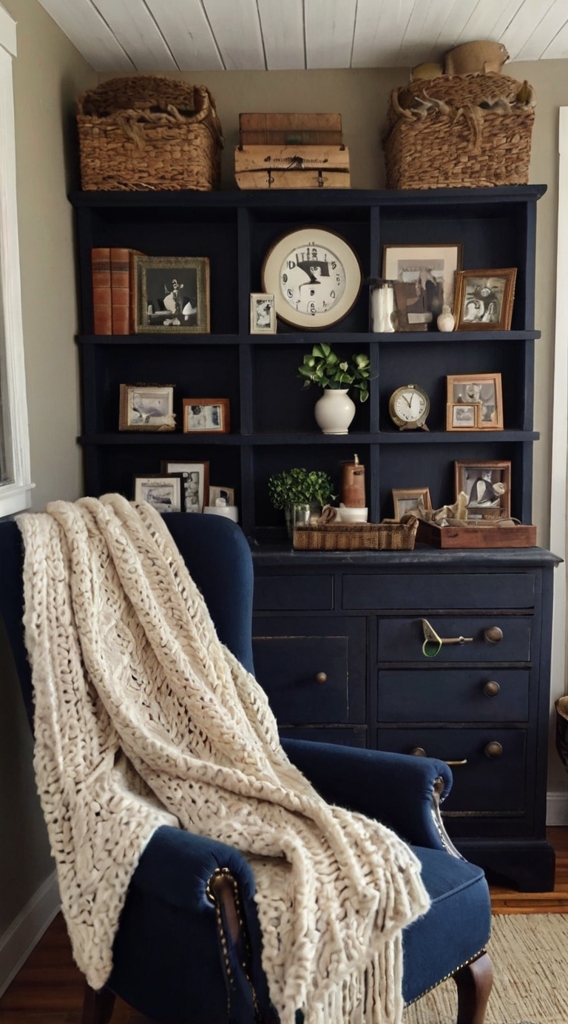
356, 537
149, 132
459, 130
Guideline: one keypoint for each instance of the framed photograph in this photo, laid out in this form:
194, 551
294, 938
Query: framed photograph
195, 477
206, 416
146, 407
484, 388
262, 313
427, 273
484, 299
221, 494
410, 499
165, 492
463, 415
171, 294
488, 488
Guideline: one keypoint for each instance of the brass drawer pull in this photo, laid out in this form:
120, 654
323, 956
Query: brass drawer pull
420, 752
321, 677
493, 749
491, 689
493, 635
433, 643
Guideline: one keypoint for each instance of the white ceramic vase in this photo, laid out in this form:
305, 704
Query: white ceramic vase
334, 411
446, 320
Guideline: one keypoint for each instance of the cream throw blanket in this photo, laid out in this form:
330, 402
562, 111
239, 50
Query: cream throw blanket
143, 718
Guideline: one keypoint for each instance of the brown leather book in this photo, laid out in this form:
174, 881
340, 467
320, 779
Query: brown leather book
100, 270
120, 289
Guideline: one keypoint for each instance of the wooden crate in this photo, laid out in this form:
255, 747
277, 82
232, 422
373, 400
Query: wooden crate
292, 167
356, 537
290, 129
490, 536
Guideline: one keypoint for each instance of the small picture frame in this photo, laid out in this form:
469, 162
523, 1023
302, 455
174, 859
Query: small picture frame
425, 274
463, 415
195, 477
487, 484
262, 313
146, 407
206, 416
484, 299
165, 492
171, 294
485, 388
410, 499
221, 494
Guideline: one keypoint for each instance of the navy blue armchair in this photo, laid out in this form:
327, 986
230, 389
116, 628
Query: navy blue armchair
188, 946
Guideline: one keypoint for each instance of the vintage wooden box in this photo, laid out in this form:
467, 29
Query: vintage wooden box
490, 536
290, 129
292, 167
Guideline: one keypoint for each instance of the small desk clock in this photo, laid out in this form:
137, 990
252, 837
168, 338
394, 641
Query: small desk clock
409, 406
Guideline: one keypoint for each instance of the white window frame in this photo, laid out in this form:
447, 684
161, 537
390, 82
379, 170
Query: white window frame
16, 495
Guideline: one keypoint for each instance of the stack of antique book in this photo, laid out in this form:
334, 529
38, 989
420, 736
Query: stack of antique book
291, 151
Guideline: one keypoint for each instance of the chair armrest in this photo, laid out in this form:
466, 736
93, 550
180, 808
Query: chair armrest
176, 946
399, 790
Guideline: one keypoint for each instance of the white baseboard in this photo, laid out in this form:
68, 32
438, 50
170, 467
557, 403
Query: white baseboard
557, 808
27, 929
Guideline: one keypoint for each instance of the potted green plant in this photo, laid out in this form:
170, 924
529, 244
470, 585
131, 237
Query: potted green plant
300, 492
335, 409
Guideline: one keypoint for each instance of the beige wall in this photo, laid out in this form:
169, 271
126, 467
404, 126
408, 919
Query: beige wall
48, 74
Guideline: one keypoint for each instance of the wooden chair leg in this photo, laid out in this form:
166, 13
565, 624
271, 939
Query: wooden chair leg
97, 1006
474, 985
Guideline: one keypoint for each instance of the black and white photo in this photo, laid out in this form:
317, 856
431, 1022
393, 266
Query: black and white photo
484, 299
164, 492
487, 486
206, 416
484, 389
195, 477
146, 407
172, 294
262, 313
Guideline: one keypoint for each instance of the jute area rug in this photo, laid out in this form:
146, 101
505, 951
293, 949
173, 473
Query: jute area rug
530, 975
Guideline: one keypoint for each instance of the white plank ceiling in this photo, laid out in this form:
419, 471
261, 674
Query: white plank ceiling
249, 35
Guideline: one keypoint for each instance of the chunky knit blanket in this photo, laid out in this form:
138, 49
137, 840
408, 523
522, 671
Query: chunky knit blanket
143, 718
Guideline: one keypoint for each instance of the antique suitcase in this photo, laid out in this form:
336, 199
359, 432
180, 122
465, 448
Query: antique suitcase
290, 129
292, 167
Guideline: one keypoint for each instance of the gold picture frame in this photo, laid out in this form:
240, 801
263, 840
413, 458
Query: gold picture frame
463, 415
410, 499
485, 388
171, 294
484, 299
206, 416
148, 407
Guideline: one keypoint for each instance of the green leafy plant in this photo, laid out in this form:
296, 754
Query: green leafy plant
326, 369
300, 486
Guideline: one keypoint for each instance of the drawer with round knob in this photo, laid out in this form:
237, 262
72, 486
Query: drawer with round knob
444, 638
488, 765
312, 669
453, 695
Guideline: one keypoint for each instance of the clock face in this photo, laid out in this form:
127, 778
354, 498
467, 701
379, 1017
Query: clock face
315, 277
409, 406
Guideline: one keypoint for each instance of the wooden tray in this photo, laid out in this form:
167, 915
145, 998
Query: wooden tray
523, 536
356, 537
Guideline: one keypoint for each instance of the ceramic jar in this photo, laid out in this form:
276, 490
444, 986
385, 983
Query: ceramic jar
334, 411
446, 320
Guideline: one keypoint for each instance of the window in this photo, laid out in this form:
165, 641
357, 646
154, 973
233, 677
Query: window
15, 482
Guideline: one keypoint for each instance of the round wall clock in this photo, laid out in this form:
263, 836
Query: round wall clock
409, 406
314, 275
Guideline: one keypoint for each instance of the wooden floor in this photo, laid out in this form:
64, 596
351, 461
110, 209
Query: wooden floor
49, 988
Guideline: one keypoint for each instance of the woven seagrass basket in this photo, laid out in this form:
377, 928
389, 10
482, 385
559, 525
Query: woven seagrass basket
385, 536
459, 130
149, 132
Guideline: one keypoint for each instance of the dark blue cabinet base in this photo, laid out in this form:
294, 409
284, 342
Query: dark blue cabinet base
350, 669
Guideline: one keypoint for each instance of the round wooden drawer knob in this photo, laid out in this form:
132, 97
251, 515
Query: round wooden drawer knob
491, 689
493, 749
321, 677
493, 634
418, 752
